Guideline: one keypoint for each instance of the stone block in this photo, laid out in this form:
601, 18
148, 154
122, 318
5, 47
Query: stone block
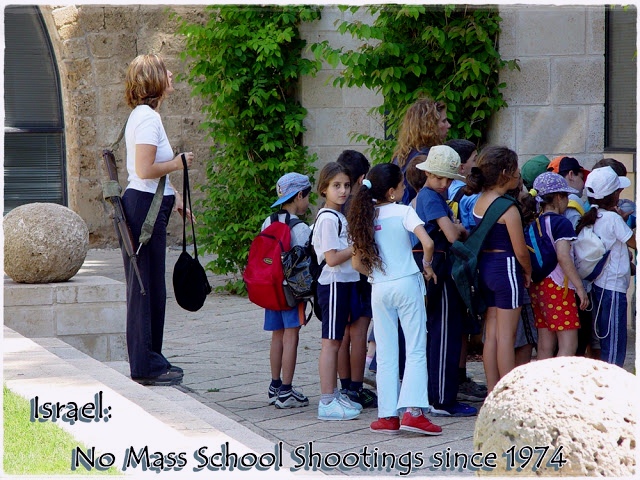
104, 45
90, 290
75, 48
529, 85
319, 92
331, 18
110, 73
89, 318
96, 346
118, 347
551, 30
121, 17
332, 126
67, 32
361, 98
596, 30
92, 18
24, 294
577, 81
502, 128
30, 321
508, 43
554, 129
65, 15
79, 73
595, 137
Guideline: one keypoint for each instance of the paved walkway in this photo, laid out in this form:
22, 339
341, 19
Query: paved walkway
224, 353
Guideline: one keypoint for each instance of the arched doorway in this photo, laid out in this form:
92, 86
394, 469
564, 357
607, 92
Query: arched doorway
34, 150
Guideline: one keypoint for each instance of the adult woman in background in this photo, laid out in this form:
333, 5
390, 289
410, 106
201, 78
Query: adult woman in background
424, 125
149, 157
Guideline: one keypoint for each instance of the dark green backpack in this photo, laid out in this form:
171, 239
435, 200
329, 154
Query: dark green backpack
464, 257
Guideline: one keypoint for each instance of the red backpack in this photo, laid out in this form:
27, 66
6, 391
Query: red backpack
264, 275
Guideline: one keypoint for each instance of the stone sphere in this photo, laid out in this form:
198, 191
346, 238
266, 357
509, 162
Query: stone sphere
44, 243
585, 406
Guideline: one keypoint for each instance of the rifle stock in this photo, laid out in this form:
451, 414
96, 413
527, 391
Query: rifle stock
123, 231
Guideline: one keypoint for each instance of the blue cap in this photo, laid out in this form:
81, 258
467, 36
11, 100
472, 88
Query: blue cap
289, 185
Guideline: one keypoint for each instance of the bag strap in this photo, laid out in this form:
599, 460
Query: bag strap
497, 208
329, 211
186, 198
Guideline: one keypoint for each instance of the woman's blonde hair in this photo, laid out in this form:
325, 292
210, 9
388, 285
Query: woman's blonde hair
146, 81
419, 128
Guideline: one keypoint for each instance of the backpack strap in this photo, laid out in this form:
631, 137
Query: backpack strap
337, 216
577, 206
497, 208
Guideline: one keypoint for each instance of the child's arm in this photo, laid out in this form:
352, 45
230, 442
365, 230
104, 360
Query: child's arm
631, 243
563, 250
453, 231
516, 234
427, 248
356, 263
336, 257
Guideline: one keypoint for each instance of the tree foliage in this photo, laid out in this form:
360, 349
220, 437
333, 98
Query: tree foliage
245, 63
448, 53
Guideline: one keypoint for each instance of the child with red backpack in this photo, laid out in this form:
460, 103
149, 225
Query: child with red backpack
293, 192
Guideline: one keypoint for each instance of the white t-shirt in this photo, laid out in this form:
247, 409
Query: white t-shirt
614, 232
325, 238
299, 233
144, 127
391, 233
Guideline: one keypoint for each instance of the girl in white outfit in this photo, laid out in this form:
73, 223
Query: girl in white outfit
379, 229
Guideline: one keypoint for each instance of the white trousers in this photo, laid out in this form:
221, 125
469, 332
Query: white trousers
401, 299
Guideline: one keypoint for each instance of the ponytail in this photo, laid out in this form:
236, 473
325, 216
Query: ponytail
360, 229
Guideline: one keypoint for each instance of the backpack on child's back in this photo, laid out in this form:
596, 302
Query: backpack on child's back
590, 254
541, 245
264, 274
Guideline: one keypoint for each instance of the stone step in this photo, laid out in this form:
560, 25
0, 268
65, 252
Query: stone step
164, 419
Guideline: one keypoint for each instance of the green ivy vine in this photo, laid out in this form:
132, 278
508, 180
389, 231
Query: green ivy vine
446, 52
245, 63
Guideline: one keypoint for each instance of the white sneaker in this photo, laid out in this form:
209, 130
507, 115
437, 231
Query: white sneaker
336, 410
347, 402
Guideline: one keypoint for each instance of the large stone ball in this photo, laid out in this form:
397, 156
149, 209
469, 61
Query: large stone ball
44, 242
584, 408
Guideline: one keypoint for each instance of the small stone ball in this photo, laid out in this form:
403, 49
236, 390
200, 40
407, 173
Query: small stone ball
44, 243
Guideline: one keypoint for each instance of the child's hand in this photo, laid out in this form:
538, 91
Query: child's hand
430, 275
527, 280
584, 298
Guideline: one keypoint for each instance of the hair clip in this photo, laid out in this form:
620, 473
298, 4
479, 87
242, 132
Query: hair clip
367, 183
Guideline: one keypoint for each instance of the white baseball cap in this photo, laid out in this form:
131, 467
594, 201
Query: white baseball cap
602, 182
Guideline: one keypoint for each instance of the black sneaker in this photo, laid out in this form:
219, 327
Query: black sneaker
272, 394
174, 368
364, 397
291, 399
164, 380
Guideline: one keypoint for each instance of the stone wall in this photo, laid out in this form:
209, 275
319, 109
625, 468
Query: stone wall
334, 114
556, 100
93, 45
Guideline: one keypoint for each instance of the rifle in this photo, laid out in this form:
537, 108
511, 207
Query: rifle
111, 190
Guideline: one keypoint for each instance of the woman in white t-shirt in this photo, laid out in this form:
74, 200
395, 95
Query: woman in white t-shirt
149, 157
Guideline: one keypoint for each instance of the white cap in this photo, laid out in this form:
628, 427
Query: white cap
602, 182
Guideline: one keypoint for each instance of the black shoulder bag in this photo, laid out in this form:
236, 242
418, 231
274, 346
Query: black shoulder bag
190, 283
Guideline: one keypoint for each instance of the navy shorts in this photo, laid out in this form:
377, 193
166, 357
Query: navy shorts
340, 302
501, 280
